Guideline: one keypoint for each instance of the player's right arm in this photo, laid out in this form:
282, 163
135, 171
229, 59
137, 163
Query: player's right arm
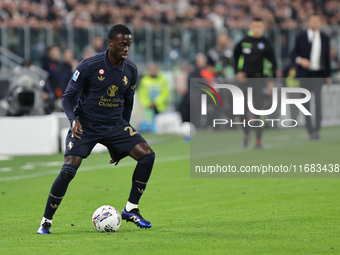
75, 85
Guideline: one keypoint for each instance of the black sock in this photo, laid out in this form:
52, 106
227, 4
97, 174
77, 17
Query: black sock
141, 176
58, 190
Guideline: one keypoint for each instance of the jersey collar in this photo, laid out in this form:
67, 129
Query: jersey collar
110, 66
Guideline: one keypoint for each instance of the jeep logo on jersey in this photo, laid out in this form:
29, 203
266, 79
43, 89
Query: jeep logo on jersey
112, 90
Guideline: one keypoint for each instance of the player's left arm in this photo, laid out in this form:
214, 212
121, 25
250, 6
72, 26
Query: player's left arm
128, 99
271, 58
270, 55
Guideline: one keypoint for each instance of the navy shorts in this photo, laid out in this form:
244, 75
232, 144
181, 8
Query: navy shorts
119, 138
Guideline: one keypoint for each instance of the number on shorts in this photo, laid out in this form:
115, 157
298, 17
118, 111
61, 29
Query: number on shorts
132, 133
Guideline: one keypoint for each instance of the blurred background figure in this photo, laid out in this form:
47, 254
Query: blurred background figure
218, 16
59, 71
184, 107
29, 93
153, 92
222, 55
89, 51
67, 67
169, 33
335, 63
312, 57
52, 65
254, 57
98, 44
69, 60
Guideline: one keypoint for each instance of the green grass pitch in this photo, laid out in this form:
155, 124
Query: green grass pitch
189, 215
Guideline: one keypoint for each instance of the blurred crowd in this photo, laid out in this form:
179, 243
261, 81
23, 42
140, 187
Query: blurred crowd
219, 16
189, 13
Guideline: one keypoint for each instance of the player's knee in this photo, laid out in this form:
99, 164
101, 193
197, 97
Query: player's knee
69, 171
148, 158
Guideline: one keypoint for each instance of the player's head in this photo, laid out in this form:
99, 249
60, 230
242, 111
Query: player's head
223, 41
119, 40
200, 60
54, 53
153, 69
314, 22
257, 27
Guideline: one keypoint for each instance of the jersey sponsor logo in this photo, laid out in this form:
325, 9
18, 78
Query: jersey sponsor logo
101, 71
260, 45
101, 78
109, 102
125, 80
75, 75
112, 90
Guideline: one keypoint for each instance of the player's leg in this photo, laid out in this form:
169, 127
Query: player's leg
259, 103
318, 108
76, 150
58, 190
246, 117
306, 85
145, 159
124, 141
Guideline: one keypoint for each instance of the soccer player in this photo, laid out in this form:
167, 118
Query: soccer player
254, 58
107, 85
312, 57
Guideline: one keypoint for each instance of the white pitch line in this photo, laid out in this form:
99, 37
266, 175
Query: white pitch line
92, 168
6, 169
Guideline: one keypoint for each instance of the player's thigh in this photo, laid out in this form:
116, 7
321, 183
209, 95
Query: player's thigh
122, 141
80, 147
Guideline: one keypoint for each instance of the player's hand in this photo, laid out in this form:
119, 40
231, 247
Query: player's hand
241, 76
76, 129
112, 161
305, 63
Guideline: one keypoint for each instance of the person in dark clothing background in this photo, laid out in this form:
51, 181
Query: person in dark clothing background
184, 107
312, 57
221, 54
254, 58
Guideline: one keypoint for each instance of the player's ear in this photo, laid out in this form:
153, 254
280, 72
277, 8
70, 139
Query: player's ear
109, 42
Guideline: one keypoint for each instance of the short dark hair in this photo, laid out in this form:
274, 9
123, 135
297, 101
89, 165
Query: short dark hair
118, 29
257, 19
313, 14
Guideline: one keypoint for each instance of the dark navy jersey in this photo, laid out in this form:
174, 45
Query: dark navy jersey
106, 91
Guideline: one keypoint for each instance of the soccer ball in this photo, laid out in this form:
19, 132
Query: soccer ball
106, 219
187, 131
